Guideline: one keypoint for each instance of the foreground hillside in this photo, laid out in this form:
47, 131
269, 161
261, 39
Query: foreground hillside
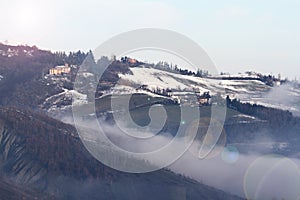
44, 155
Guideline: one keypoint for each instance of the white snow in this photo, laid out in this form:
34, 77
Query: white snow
78, 98
87, 74
177, 82
240, 82
240, 75
120, 89
11, 43
245, 116
252, 91
183, 86
153, 78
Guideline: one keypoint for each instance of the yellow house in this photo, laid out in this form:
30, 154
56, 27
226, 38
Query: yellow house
58, 70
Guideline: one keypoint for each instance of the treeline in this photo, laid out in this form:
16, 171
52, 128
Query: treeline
159, 91
276, 117
269, 79
73, 58
108, 71
200, 73
174, 68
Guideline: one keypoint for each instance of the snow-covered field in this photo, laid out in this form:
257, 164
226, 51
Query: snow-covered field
284, 97
66, 95
154, 77
253, 91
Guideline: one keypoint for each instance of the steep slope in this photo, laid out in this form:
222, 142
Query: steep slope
9, 191
45, 155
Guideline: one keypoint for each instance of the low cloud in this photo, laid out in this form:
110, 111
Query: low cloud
284, 96
252, 175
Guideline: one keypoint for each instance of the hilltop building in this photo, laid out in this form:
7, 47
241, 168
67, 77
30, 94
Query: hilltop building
58, 70
203, 99
128, 60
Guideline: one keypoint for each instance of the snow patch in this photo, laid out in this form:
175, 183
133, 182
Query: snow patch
153, 78
245, 116
78, 98
251, 91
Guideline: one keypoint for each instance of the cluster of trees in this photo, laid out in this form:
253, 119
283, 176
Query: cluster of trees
276, 117
268, 79
199, 73
22, 71
20, 68
111, 75
73, 58
160, 91
174, 68
164, 92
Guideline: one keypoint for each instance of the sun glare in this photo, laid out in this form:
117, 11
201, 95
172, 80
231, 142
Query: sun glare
27, 17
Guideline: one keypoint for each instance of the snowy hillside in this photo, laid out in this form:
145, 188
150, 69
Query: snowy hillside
63, 100
252, 91
154, 77
242, 86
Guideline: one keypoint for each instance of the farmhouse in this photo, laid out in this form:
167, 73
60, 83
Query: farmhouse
58, 70
203, 99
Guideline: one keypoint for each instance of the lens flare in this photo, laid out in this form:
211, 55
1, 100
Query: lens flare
272, 177
230, 154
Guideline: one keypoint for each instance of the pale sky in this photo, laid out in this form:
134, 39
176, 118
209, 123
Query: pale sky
238, 35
